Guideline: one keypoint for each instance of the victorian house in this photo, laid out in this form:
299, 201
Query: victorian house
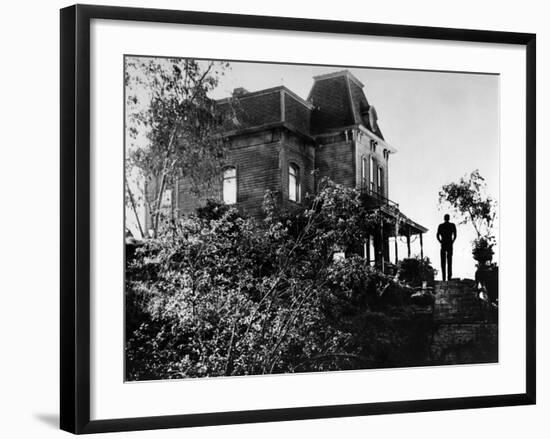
276, 139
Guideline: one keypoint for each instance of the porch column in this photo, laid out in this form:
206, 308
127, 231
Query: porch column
367, 250
381, 248
421, 248
395, 240
408, 242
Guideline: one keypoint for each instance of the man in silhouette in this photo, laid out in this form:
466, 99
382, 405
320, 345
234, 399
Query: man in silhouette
446, 235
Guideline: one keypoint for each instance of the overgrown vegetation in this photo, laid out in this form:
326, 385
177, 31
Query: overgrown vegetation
415, 271
219, 294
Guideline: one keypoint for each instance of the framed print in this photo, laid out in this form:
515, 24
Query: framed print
268, 218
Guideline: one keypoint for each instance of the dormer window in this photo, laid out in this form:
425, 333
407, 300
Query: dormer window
294, 183
373, 118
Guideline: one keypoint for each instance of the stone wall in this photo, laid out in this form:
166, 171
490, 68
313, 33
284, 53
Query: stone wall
465, 328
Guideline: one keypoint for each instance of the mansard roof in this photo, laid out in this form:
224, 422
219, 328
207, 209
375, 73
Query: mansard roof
336, 100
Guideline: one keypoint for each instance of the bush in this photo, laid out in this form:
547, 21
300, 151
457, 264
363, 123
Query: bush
212, 210
414, 271
223, 295
482, 250
487, 276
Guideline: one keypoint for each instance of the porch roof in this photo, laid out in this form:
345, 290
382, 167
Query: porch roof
390, 210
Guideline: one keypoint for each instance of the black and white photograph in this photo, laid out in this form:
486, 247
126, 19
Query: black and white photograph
294, 218
266, 220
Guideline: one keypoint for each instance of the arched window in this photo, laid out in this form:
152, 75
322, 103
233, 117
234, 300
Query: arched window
230, 185
293, 183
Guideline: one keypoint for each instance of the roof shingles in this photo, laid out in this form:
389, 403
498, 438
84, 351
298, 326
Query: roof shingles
335, 100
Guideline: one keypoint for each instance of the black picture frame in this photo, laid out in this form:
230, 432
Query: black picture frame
75, 217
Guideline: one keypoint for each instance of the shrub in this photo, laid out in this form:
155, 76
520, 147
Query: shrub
212, 210
221, 294
483, 249
414, 271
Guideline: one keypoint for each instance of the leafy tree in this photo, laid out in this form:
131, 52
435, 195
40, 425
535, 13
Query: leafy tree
173, 124
469, 200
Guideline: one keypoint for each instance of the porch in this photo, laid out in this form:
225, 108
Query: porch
382, 246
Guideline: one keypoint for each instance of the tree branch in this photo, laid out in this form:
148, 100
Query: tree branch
132, 202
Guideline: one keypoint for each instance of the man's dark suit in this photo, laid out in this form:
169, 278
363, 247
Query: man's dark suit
446, 235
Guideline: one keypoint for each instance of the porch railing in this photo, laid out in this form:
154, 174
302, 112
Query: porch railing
375, 193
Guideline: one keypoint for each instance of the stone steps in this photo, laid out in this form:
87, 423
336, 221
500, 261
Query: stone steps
464, 329
458, 300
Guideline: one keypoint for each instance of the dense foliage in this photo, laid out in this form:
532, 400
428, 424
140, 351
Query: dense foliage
415, 271
219, 294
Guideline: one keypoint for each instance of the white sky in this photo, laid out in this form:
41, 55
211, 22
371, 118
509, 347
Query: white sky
444, 125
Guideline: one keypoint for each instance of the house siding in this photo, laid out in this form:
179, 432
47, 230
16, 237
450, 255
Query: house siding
301, 153
256, 159
257, 172
337, 162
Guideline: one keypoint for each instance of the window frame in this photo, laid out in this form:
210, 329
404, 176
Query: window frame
380, 180
364, 171
225, 179
297, 182
372, 178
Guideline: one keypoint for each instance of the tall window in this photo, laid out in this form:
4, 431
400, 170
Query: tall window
230, 185
371, 174
369, 252
381, 180
293, 183
364, 171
